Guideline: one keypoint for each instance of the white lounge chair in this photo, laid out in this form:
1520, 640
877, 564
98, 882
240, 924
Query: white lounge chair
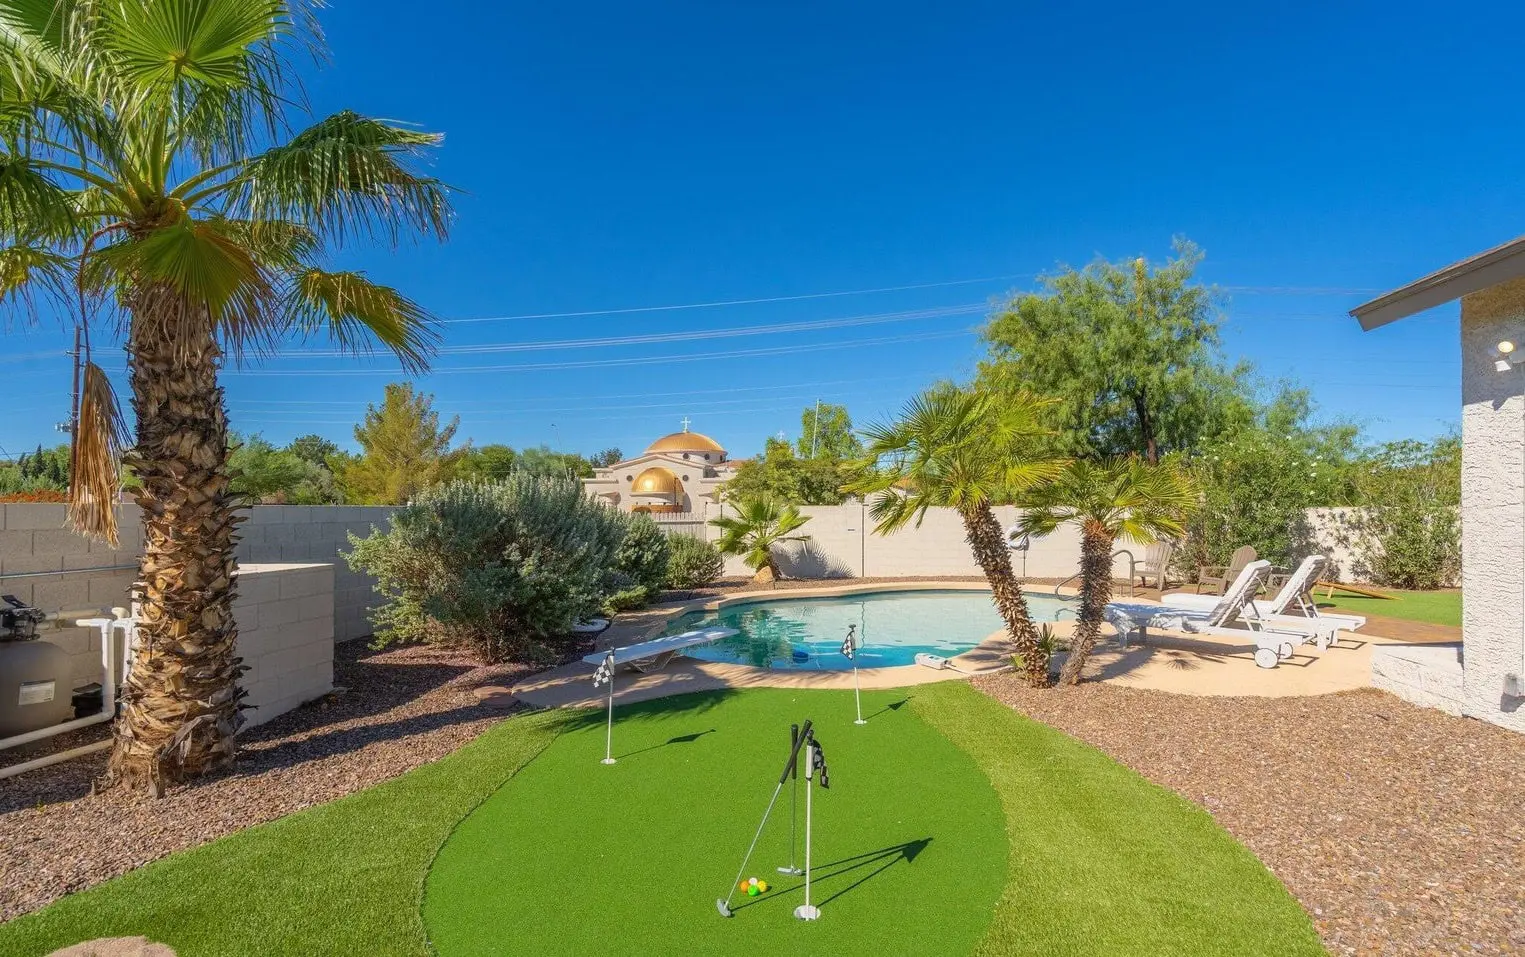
1293, 607
1273, 643
653, 655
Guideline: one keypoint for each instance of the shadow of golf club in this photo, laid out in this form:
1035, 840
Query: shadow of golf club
881, 860
892, 706
680, 739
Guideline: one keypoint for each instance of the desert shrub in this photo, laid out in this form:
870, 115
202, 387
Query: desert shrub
641, 561
693, 563
502, 569
1408, 534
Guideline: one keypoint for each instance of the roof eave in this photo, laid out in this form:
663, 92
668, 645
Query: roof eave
1489, 268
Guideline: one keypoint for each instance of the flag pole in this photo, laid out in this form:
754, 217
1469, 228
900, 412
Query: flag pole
857, 696
609, 728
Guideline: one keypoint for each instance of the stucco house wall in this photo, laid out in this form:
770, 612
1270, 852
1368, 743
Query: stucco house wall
1493, 504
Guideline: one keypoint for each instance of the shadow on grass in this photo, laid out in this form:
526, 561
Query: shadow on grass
877, 862
680, 739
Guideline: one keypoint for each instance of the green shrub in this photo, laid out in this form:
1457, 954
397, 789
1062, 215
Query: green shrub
1409, 533
502, 569
693, 563
640, 564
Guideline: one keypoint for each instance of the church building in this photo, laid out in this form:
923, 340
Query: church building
677, 473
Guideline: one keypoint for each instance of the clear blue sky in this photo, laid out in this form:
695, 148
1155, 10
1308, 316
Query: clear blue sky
615, 156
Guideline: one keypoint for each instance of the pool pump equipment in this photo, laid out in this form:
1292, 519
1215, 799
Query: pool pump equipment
801, 738
35, 685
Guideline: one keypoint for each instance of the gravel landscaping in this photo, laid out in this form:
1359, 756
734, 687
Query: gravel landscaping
1399, 828
400, 708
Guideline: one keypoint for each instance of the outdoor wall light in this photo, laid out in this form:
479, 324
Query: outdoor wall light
1505, 356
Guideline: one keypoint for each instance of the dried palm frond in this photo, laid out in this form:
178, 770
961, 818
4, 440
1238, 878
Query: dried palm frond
95, 474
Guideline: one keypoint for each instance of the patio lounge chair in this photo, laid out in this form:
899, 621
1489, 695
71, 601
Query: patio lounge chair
1218, 577
1156, 562
1292, 607
1273, 643
648, 656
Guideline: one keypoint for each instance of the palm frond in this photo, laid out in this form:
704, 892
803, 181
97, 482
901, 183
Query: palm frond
27, 268
32, 205
95, 460
347, 173
358, 314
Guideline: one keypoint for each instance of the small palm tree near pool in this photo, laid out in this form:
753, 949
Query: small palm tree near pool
1120, 498
759, 524
968, 451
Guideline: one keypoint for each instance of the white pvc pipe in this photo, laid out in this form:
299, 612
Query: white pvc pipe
57, 758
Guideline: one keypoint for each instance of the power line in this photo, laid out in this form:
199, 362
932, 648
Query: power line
686, 336
736, 302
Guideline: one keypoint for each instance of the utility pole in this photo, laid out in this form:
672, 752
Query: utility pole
74, 397
815, 431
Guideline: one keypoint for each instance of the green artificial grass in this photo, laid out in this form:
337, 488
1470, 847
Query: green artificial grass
342, 878
1434, 607
953, 826
1102, 861
576, 858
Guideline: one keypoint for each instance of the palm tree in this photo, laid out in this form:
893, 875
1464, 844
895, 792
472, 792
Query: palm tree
148, 184
1121, 498
760, 523
968, 451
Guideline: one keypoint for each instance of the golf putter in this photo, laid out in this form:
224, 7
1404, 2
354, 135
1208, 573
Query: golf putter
794, 774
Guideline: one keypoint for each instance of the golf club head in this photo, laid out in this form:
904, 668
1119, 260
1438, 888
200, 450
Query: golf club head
791, 869
720, 905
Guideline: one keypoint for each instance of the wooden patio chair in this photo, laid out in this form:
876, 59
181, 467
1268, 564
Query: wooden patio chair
1218, 577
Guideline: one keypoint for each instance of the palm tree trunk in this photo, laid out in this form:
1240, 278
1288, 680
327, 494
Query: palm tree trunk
180, 706
1095, 592
988, 542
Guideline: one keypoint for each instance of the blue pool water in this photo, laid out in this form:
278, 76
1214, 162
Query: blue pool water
893, 627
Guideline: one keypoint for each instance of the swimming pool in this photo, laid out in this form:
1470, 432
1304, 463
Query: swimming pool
893, 626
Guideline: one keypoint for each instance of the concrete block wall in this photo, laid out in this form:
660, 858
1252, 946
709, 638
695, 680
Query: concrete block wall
843, 544
285, 616
318, 533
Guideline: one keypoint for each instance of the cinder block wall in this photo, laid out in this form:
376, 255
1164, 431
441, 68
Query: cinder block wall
285, 616
318, 533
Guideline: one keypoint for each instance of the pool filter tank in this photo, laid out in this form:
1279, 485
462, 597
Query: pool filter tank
35, 676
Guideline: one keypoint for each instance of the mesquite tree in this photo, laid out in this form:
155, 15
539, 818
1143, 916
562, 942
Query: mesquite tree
150, 185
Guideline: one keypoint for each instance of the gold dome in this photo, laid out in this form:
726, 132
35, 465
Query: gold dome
655, 481
685, 442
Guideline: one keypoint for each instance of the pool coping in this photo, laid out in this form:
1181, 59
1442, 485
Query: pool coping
567, 686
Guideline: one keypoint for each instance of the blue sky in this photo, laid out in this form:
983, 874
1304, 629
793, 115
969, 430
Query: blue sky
614, 156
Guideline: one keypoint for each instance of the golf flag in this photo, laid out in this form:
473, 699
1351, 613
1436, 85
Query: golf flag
605, 670
850, 643
818, 761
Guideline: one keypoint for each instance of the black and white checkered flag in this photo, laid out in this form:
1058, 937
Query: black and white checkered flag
818, 762
850, 643
605, 670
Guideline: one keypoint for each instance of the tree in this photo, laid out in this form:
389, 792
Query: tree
968, 451
1129, 351
779, 473
146, 175
541, 460
606, 458
487, 463
1110, 499
45, 470
826, 432
313, 448
263, 472
759, 524
403, 449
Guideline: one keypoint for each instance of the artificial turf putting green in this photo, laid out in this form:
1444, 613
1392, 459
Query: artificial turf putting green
953, 825
574, 857
984, 832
